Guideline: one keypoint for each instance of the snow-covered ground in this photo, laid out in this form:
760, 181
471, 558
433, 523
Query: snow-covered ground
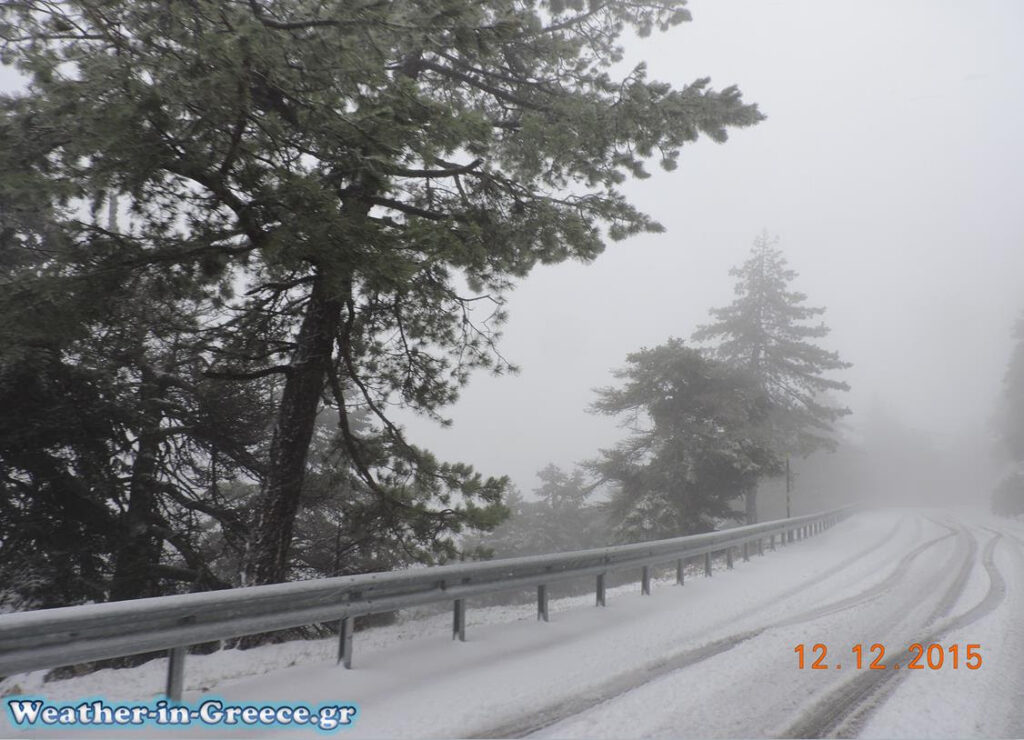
714, 658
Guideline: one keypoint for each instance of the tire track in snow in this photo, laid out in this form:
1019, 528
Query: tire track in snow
843, 711
830, 572
876, 591
541, 717
996, 594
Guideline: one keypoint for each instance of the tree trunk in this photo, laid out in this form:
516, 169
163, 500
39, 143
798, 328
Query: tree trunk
139, 552
750, 500
293, 431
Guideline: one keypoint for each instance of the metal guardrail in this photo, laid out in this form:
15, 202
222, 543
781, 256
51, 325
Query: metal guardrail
49, 638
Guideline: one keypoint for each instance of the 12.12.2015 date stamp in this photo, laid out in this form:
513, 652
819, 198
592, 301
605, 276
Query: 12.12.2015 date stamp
915, 657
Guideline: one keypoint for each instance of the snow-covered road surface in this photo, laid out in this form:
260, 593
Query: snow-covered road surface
714, 658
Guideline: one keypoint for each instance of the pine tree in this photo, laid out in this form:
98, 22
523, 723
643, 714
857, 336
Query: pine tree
355, 165
766, 331
700, 438
112, 440
557, 519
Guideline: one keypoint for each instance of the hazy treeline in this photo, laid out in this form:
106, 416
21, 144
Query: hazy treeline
1008, 497
710, 424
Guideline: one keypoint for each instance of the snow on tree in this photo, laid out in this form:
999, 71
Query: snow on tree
355, 165
700, 437
769, 331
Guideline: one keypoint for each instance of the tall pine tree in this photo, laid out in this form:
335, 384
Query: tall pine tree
769, 331
369, 171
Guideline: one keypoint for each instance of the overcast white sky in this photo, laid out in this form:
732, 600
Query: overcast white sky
891, 167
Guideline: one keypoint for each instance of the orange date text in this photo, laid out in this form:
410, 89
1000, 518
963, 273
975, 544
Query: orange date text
915, 657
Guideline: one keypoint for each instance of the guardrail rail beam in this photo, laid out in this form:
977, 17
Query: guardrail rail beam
49, 638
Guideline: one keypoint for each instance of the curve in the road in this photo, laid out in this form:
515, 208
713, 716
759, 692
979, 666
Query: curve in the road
542, 717
830, 572
844, 710
876, 591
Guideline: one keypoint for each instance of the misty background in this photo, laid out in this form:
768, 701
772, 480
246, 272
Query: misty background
889, 167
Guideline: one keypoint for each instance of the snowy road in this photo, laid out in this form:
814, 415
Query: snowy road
715, 658
938, 580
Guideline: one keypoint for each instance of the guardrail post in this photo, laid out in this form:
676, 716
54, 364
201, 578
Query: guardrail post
679, 571
707, 564
771, 542
176, 672
728, 558
600, 589
542, 602
760, 546
459, 620
645, 581
746, 552
346, 626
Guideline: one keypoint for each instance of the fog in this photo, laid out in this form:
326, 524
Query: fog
890, 167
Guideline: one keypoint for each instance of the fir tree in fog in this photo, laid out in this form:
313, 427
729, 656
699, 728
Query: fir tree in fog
558, 518
700, 437
765, 331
